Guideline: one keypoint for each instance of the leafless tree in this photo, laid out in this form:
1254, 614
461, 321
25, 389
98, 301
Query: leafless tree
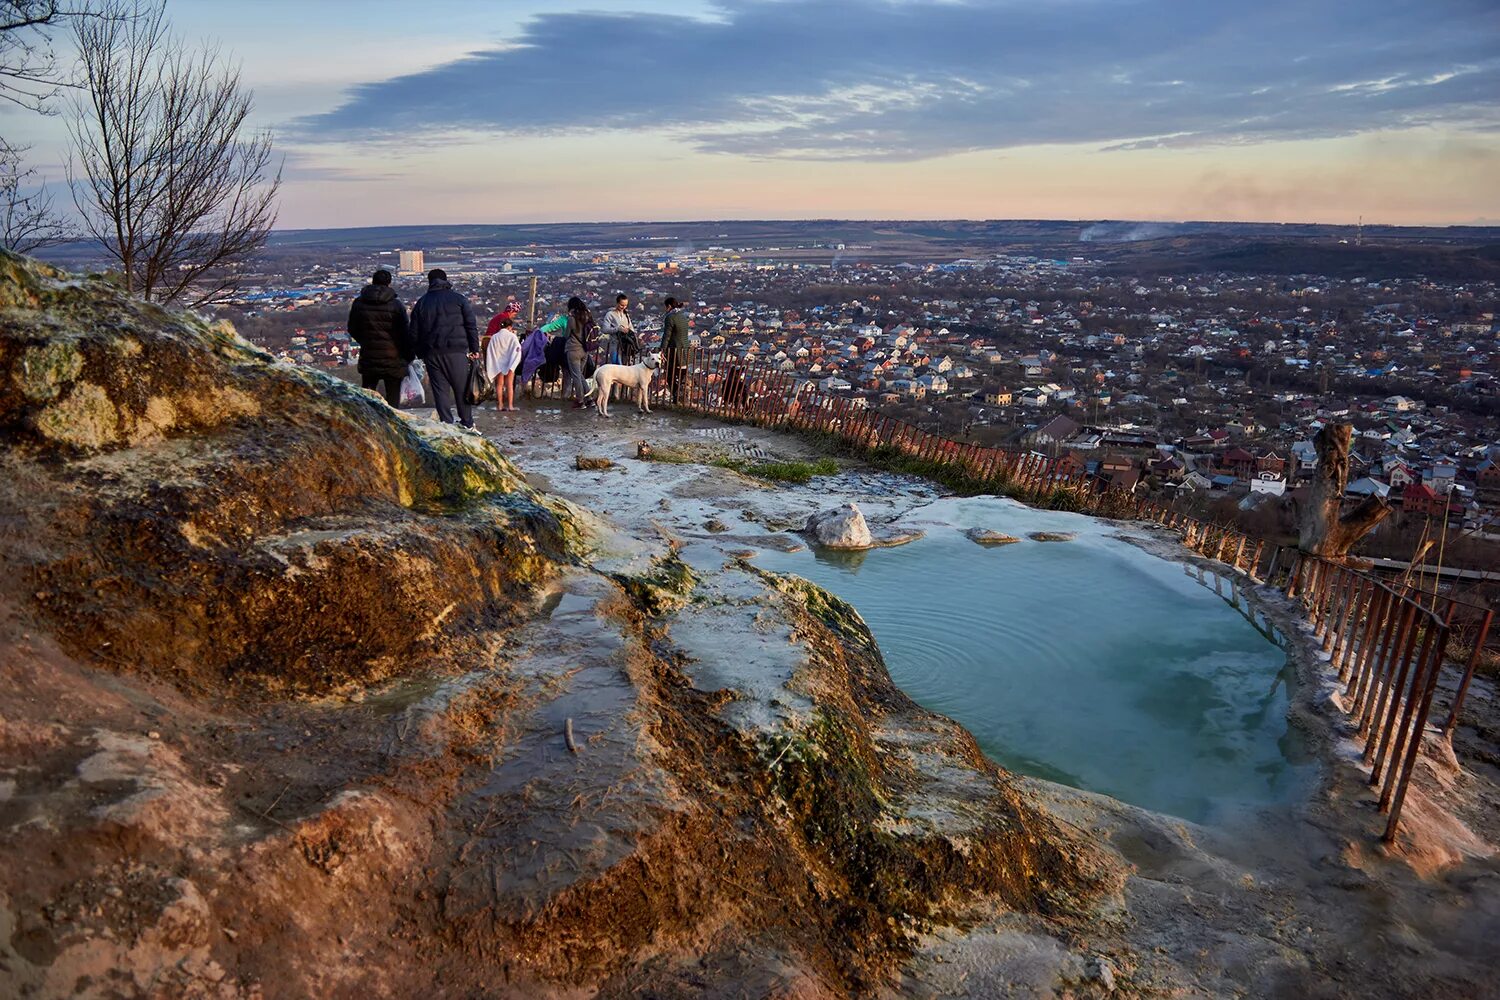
28, 66
29, 73
27, 220
167, 174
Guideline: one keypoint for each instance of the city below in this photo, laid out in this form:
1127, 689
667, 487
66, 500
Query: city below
1189, 362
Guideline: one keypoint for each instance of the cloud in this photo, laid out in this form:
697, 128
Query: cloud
913, 79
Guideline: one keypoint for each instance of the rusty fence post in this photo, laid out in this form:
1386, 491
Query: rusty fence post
1463, 685
1393, 632
1374, 626
1392, 695
1393, 796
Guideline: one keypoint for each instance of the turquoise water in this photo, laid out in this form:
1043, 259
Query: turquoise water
1090, 662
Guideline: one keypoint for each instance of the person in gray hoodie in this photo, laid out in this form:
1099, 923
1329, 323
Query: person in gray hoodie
447, 338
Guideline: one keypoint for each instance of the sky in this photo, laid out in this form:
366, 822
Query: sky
460, 111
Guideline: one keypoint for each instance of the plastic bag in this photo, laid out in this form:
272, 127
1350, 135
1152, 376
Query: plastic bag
476, 386
412, 393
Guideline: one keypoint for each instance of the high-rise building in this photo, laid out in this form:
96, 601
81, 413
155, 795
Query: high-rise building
413, 262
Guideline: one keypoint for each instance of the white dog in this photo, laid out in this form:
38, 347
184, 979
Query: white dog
636, 376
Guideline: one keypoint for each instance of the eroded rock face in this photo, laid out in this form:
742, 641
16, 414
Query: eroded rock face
840, 528
208, 516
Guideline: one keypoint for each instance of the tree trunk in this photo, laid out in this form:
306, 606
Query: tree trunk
1327, 530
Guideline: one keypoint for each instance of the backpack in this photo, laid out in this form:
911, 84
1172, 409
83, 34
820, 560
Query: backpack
588, 337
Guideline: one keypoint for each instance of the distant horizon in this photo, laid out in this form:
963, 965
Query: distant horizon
1082, 220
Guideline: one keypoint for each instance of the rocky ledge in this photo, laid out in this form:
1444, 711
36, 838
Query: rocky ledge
305, 697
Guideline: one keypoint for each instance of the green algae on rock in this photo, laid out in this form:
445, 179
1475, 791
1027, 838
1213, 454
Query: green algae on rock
206, 514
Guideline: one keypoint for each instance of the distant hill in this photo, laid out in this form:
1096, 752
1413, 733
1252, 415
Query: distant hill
1332, 260
1454, 252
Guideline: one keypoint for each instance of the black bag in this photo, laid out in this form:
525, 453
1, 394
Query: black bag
629, 346
476, 387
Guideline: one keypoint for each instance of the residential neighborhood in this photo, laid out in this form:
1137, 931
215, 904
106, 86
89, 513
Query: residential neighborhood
1206, 388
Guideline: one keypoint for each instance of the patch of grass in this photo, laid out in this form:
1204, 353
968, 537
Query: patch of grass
673, 455
796, 471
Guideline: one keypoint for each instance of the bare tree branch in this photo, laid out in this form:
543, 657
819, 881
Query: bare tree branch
168, 176
27, 219
29, 74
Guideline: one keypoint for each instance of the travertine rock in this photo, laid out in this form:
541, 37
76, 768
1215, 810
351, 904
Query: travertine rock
840, 528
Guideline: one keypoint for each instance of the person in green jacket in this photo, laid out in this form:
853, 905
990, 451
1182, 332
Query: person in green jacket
581, 334
675, 344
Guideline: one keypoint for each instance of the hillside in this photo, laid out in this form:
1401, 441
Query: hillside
305, 697
1320, 258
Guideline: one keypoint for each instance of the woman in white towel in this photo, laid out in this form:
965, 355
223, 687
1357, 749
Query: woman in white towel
501, 359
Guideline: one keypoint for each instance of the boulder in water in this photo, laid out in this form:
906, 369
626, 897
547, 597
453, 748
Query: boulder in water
1053, 536
840, 528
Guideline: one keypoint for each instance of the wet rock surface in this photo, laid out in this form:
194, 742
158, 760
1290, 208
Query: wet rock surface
286, 685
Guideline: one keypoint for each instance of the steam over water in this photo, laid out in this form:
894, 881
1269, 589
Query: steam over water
1088, 662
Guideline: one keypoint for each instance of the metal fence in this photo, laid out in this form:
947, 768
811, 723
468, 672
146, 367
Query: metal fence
1388, 651
1387, 641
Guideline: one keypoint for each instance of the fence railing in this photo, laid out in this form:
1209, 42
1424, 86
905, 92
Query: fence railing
1386, 641
1387, 649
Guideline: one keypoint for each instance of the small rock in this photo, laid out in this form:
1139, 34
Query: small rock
1052, 536
586, 462
889, 536
154, 735
989, 536
1102, 971
642, 450
840, 528
231, 934
715, 525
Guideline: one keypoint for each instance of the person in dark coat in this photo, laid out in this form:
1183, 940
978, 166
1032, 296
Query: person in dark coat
447, 339
676, 346
377, 323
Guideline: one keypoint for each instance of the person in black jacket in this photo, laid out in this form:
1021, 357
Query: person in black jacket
377, 322
447, 336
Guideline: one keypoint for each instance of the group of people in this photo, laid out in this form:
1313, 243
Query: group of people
442, 331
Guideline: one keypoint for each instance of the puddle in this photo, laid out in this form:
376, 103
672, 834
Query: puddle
1089, 662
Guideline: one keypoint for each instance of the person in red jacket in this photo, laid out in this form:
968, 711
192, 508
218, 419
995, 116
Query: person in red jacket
510, 312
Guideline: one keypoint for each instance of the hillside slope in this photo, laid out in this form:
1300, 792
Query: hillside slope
303, 697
